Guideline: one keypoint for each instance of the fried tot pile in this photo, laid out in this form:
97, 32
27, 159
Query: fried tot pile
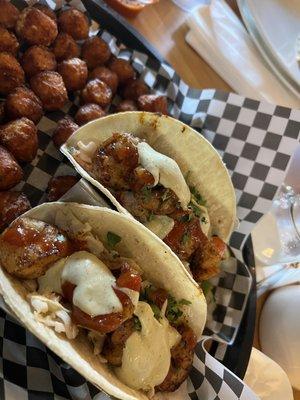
47, 57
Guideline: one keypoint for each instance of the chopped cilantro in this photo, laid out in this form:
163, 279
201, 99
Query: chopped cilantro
146, 191
151, 216
206, 287
196, 210
112, 239
174, 311
156, 310
144, 295
137, 324
185, 237
204, 220
197, 196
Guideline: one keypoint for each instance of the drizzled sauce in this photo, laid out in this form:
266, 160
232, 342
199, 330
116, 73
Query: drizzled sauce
24, 233
146, 357
166, 171
94, 283
102, 323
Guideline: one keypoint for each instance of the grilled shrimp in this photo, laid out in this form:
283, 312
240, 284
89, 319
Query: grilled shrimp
114, 344
186, 236
116, 164
128, 278
205, 261
142, 204
28, 247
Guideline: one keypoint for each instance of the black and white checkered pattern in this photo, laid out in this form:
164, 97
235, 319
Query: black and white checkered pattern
230, 292
256, 141
30, 371
211, 380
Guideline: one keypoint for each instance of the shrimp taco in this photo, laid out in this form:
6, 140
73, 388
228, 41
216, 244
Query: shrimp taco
105, 294
165, 175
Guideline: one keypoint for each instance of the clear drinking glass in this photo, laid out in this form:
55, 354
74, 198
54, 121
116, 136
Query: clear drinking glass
276, 238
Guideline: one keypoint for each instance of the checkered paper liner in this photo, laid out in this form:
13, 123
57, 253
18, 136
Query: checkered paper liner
40, 374
255, 140
33, 372
231, 288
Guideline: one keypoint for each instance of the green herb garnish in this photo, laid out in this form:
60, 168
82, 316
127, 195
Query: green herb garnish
147, 191
156, 310
151, 216
145, 296
204, 220
207, 289
174, 311
137, 324
196, 202
185, 237
112, 239
197, 196
196, 210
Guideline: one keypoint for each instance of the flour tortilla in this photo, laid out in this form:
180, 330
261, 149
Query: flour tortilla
192, 152
160, 266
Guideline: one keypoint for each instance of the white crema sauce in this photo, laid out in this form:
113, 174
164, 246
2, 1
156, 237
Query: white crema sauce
146, 356
94, 282
165, 171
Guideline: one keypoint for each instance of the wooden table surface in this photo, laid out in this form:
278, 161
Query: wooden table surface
163, 24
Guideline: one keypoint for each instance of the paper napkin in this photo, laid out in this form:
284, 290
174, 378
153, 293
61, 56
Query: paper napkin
218, 35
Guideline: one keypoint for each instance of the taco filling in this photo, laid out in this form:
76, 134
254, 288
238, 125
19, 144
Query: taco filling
151, 186
82, 287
